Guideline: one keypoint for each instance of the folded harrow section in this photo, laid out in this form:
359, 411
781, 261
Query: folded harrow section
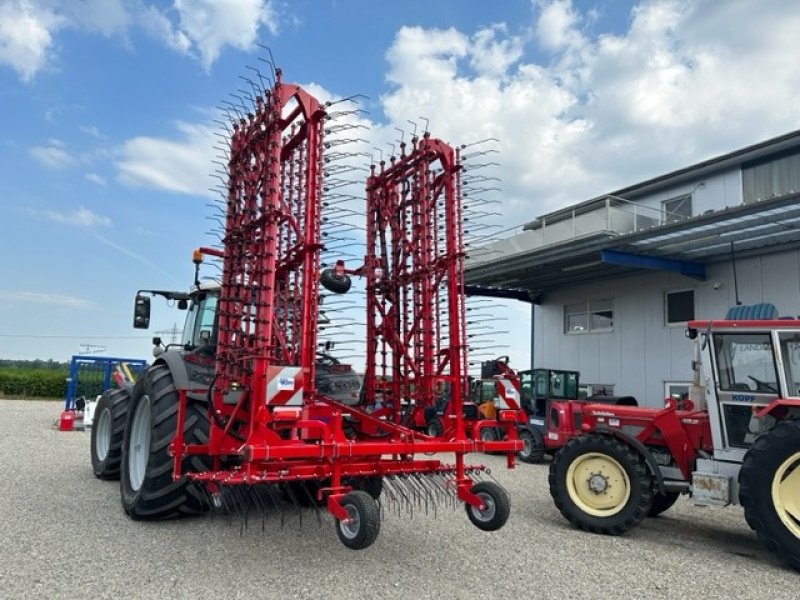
268, 425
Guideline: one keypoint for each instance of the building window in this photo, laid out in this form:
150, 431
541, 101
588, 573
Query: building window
588, 317
679, 306
775, 176
677, 209
677, 390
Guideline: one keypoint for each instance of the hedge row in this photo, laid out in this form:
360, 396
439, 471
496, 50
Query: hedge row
34, 383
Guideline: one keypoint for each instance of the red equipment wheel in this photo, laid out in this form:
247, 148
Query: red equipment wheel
363, 524
108, 431
435, 427
497, 506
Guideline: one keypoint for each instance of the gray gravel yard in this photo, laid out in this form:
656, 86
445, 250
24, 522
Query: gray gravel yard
64, 535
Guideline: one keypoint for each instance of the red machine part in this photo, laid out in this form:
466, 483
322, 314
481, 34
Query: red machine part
414, 272
682, 432
265, 413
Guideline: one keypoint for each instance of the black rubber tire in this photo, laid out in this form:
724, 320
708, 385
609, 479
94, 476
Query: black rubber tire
158, 496
338, 284
769, 453
488, 434
533, 450
635, 475
363, 531
662, 502
304, 493
498, 506
108, 433
435, 427
372, 485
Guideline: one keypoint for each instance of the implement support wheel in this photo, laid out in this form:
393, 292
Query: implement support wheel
769, 490
600, 484
363, 524
497, 506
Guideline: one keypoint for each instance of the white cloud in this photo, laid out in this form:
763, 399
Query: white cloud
95, 178
202, 28
40, 298
80, 217
53, 155
683, 82
26, 36
557, 26
205, 27
181, 165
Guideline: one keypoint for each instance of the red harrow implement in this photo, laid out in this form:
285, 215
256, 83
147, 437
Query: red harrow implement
270, 433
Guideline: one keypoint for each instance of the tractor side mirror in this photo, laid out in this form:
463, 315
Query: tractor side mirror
183, 304
141, 312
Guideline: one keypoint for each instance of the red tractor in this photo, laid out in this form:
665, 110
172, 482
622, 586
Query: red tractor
551, 399
734, 440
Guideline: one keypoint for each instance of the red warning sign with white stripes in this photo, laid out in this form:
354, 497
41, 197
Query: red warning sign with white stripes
284, 386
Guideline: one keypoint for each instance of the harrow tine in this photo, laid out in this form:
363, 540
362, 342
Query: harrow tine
260, 505
293, 498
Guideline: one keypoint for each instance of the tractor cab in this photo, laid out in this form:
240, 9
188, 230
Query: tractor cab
540, 386
749, 376
199, 328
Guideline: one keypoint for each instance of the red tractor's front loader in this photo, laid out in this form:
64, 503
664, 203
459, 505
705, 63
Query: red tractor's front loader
735, 439
262, 432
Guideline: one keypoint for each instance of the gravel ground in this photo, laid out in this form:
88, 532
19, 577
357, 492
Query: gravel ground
64, 535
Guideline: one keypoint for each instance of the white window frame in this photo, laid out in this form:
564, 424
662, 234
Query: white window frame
670, 215
669, 385
587, 309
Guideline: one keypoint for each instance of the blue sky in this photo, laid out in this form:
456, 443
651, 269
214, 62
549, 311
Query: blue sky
108, 110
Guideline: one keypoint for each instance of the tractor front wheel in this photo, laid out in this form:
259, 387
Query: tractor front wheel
496, 506
532, 445
769, 490
363, 522
146, 485
600, 484
108, 431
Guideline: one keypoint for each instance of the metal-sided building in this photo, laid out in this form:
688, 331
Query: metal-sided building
613, 280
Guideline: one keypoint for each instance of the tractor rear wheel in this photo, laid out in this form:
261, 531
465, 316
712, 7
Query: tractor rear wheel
147, 489
108, 431
363, 524
532, 445
497, 506
769, 490
662, 502
601, 484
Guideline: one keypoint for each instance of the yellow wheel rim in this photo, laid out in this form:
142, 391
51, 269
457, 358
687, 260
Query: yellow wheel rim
786, 493
598, 485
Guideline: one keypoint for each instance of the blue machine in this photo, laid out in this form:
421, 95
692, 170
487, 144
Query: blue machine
90, 376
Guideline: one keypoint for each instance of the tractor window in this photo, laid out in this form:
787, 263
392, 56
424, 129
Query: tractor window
563, 385
790, 353
487, 391
747, 379
746, 363
201, 317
